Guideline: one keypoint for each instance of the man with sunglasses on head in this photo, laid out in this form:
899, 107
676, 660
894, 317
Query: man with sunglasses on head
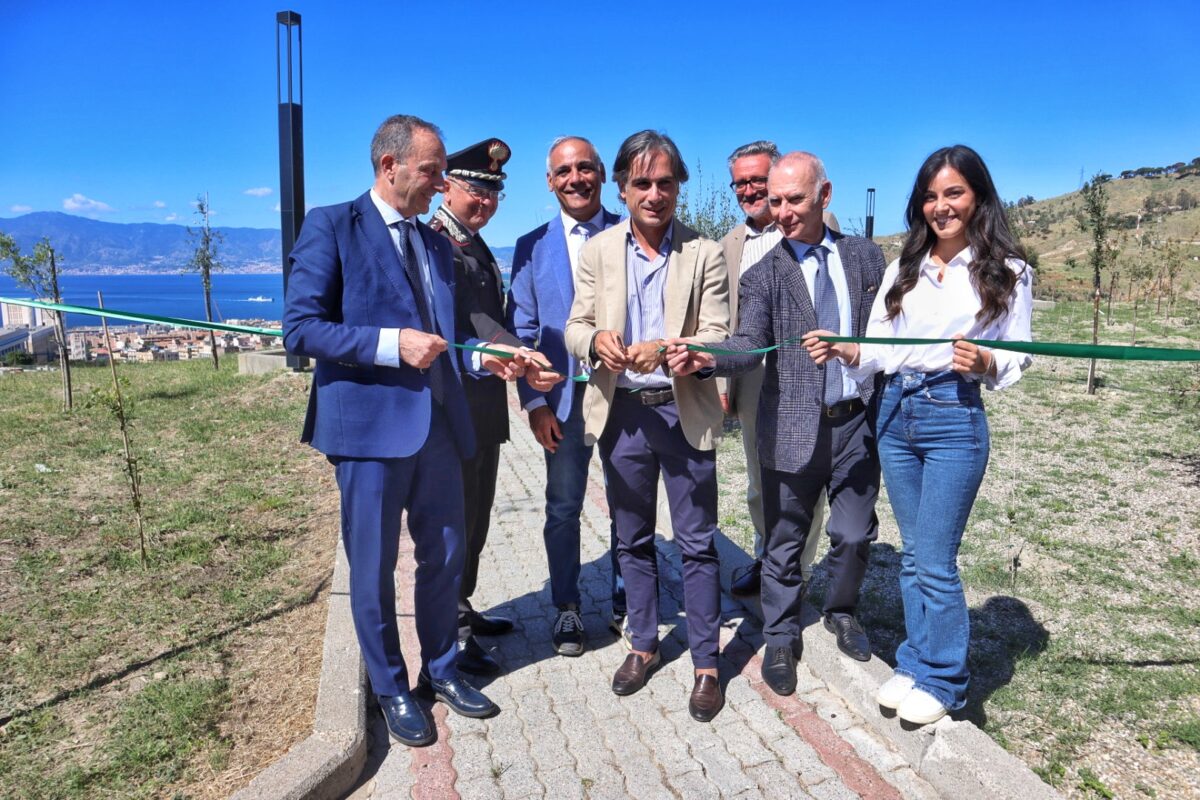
474, 189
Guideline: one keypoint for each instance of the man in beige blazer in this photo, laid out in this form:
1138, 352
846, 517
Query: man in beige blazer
743, 247
640, 283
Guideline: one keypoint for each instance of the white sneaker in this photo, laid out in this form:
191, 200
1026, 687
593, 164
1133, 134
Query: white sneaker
893, 691
920, 708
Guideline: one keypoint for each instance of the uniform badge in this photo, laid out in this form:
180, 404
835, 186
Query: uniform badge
498, 152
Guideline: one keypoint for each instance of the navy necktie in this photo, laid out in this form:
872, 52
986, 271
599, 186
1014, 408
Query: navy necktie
412, 268
829, 318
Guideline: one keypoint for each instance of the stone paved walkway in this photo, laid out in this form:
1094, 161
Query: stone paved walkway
562, 733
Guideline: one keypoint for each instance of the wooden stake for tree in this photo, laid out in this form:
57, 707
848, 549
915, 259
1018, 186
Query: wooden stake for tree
60, 336
131, 465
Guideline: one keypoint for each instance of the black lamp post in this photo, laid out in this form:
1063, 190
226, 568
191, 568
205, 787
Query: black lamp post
289, 85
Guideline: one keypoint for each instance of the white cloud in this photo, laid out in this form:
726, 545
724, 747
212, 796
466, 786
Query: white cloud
20, 209
277, 207
78, 202
171, 217
159, 204
258, 191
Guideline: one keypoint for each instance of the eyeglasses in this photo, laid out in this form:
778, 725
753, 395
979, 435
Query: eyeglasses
478, 192
758, 182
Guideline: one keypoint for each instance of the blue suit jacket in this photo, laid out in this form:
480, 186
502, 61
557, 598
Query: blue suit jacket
346, 283
540, 294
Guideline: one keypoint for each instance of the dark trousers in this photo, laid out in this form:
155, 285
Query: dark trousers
374, 495
845, 464
638, 443
566, 488
479, 493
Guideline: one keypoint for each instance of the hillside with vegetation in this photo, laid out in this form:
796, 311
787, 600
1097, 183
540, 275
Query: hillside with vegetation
1154, 219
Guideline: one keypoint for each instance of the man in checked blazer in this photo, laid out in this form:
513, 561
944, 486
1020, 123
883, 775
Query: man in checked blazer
814, 425
638, 283
745, 246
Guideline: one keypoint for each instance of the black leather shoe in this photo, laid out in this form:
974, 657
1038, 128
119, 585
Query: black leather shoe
632, 674
462, 697
747, 582
487, 624
473, 659
406, 721
706, 699
851, 638
779, 670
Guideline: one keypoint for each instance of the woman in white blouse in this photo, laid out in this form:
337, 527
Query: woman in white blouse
960, 275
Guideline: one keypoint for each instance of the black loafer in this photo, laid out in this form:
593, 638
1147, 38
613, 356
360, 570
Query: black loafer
748, 582
487, 624
406, 721
473, 659
851, 638
779, 670
462, 697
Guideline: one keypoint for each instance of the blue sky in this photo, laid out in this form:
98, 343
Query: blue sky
124, 111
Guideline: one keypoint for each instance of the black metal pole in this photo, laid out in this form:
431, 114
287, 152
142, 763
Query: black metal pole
870, 229
289, 77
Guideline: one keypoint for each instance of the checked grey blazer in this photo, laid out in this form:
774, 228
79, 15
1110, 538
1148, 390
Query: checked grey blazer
774, 305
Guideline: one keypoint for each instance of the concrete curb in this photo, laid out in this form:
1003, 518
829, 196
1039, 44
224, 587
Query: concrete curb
328, 762
956, 758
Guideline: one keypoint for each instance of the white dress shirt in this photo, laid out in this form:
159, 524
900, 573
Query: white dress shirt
940, 309
837, 274
387, 352
575, 237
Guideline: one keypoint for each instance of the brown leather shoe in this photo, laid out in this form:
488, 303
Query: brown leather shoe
707, 699
632, 674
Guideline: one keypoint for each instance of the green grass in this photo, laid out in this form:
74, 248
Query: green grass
224, 485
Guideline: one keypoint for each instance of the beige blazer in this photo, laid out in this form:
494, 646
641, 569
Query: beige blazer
696, 300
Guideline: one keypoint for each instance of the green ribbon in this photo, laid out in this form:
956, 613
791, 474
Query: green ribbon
153, 318
1060, 349
181, 322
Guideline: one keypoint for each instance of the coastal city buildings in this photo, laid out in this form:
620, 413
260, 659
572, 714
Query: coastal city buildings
31, 331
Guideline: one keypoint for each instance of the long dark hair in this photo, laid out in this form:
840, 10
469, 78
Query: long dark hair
988, 235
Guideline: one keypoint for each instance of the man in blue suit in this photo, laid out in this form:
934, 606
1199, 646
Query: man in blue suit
539, 302
370, 297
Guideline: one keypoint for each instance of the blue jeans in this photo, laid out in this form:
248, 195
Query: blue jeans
566, 485
933, 447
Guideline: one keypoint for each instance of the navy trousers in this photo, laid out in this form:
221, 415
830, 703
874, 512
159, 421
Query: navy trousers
638, 443
374, 494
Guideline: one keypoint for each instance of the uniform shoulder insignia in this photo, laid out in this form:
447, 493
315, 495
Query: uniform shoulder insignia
445, 224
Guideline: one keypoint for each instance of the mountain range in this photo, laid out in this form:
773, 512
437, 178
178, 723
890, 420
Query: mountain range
91, 246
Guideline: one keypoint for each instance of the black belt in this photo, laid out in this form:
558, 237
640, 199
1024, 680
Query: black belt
845, 408
650, 397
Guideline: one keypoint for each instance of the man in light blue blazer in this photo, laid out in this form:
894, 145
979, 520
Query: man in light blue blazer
539, 301
370, 297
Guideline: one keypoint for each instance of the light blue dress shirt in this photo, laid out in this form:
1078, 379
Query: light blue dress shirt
645, 287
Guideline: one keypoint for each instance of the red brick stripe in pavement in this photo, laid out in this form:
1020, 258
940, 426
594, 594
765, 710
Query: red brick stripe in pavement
432, 767
858, 775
